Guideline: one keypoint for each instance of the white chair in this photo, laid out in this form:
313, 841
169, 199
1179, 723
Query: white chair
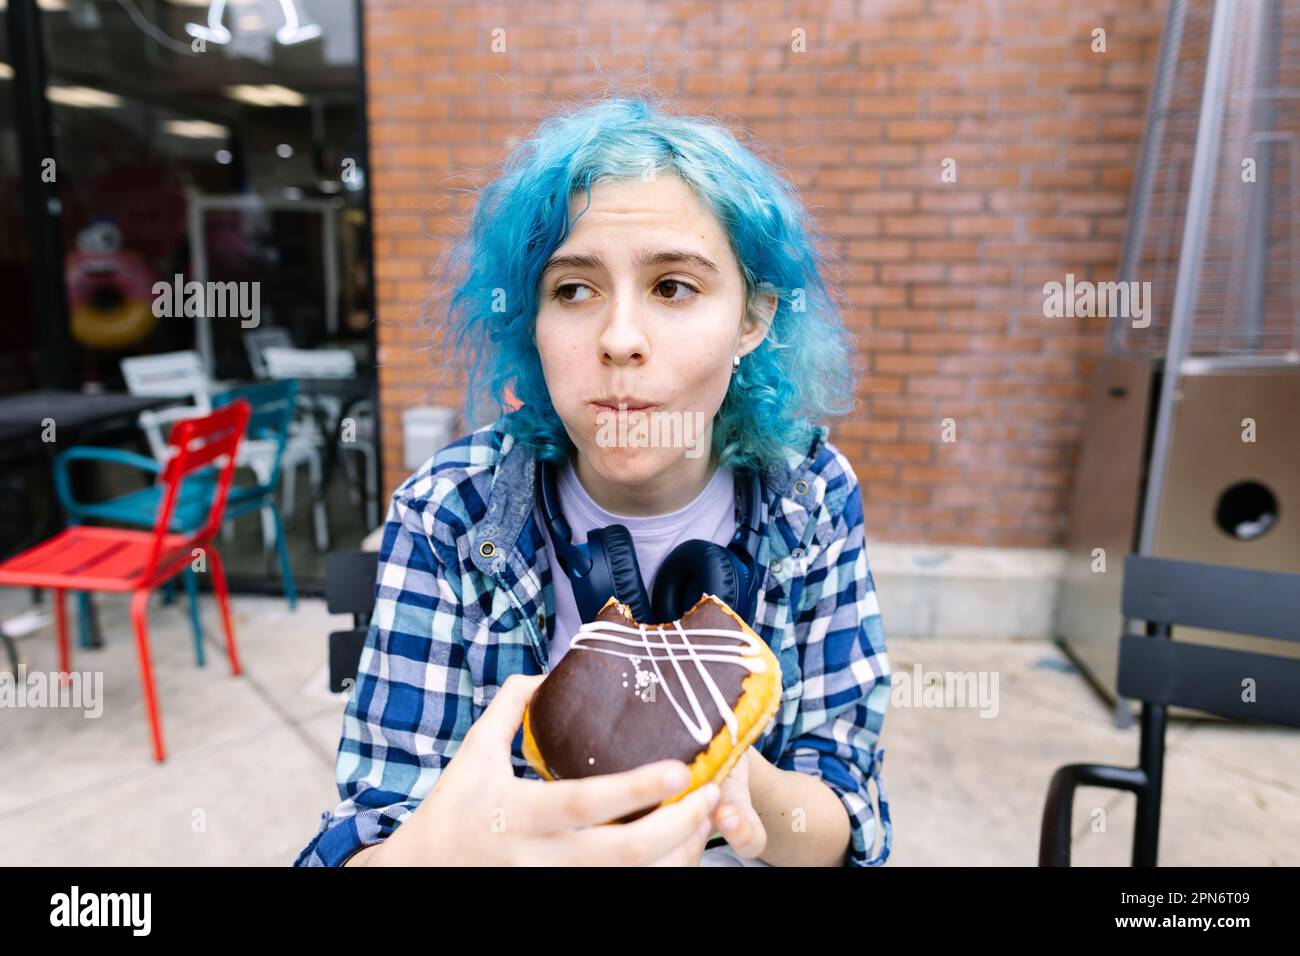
182, 375
363, 444
305, 442
179, 375
312, 363
303, 447
336, 363
258, 341
309, 363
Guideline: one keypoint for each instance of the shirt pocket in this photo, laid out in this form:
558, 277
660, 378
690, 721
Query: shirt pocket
496, 645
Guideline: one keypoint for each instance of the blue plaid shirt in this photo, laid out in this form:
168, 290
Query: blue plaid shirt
454, 617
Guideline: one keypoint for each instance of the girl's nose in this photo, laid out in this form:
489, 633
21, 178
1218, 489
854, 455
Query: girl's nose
622, 338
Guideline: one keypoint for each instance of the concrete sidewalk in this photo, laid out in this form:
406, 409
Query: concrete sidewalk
251, 759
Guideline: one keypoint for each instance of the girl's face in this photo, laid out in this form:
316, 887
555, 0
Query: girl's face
644, 301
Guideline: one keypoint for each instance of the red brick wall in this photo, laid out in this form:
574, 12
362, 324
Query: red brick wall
944, 280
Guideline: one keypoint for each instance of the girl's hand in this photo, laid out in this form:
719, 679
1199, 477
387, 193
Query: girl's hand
735, 816
480, 813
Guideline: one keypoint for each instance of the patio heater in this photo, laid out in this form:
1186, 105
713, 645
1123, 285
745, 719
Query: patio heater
1192, 444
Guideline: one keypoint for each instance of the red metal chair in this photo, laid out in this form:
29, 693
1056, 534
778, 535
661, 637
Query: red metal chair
111, 559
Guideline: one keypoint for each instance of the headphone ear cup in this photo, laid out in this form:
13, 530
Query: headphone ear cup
624, 569
691, 569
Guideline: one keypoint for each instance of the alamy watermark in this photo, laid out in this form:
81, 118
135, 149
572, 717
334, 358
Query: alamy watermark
82, 690
1118, 300
945, 689
130, 910
216, 300
651, 429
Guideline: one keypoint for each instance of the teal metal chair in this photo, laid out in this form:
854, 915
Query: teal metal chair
137, 509
272, 406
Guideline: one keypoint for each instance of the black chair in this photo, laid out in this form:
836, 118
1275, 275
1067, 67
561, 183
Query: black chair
1162, 673
18, 505
349, 589
11, 651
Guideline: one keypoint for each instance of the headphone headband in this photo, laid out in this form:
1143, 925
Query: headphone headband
588, 567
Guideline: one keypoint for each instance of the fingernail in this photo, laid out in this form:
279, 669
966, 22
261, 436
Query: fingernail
728, 820
711, 793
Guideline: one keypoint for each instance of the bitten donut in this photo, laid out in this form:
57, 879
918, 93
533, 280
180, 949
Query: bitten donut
700, 689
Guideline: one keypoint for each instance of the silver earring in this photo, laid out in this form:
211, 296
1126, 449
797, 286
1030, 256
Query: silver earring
735, 364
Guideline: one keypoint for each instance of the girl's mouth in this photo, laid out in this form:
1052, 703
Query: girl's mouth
624, 406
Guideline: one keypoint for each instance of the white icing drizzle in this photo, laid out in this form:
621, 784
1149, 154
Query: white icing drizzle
746, 654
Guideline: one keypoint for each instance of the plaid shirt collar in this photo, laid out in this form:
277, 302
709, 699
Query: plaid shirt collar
508, 544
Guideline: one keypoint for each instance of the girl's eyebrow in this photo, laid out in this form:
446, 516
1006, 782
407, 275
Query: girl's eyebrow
643, 259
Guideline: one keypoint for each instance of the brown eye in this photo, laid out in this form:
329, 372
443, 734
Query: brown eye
568, 292
670, 288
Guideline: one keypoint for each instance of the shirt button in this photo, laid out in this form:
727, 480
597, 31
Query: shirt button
487, 549
776, 566
797, 553
800, 487
541, 621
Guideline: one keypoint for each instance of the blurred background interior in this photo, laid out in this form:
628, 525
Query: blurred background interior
242, 161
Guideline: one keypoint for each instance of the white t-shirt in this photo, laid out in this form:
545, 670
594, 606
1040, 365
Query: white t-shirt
711, 516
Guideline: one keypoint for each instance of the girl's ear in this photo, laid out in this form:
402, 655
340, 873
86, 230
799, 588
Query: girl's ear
762, 308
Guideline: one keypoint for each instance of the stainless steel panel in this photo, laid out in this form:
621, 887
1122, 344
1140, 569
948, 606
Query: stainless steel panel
1208, 457
1104, 514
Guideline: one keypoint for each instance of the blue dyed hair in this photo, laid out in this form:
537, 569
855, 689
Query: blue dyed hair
796, 377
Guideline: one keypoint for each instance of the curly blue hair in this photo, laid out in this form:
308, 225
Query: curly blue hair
799, 375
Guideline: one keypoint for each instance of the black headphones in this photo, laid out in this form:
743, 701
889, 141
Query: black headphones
606, 565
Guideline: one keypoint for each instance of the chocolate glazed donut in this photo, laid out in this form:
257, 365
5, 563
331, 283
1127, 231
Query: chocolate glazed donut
700, 689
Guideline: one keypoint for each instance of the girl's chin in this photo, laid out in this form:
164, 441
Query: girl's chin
630, 465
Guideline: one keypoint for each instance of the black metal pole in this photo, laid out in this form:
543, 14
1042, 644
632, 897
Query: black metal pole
1146, 825
40, 196
372, 294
